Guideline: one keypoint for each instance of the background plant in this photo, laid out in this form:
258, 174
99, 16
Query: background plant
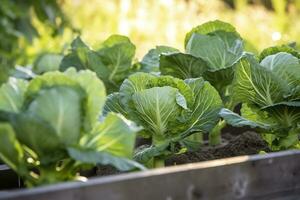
112, 62
270, 93
131, 16
141, 20
212, 50
18, 29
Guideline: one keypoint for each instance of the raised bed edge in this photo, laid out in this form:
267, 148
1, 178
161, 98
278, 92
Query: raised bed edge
244, 177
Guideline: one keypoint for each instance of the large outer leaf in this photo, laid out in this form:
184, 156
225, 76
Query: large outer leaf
284, 103
11, 151
182, 65
115, 135
61, 108
48, 80
134, 83
276, 49
287, 114
220, 50
150, 62
85, 81
111, 142
78, 43
285, 66
39, 136
156, 108
209, 27
103, 158
12, 95
112, 62
113, 104
117, 53
71, 60
145, 154
95, 95
47, 62
255, 84
82, 57
256, 114
114, 40
204, 112
236, 120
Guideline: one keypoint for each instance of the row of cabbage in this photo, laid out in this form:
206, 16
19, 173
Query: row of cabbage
87, 108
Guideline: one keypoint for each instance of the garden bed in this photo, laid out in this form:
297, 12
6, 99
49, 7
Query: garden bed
235, 142
269, 176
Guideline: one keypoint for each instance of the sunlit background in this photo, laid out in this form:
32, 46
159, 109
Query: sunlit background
148, 23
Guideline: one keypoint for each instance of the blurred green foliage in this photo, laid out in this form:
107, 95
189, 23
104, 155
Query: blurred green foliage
149, 23
16, 18
34, 27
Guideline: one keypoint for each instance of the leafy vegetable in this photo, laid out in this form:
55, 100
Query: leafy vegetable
50, 128
47, 62
112, 62
168, 108
269, 91
209, 27
277, 49
150, 62
53, 124
212, 50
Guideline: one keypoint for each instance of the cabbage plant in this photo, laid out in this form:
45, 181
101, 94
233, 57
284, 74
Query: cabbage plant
270, 93
169, 109
50, 128
150, 62
212, 51
112, 61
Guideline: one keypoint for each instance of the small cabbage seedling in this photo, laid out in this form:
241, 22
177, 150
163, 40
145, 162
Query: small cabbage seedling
168, 108
50, 128
270, 93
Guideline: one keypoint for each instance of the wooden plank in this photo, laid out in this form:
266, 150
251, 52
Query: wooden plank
271, 176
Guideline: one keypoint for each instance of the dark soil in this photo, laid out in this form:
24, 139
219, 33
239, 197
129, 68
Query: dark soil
107, 170
234, 144
142, 141
247, 143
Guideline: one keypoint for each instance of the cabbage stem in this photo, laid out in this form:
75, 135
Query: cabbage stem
215, 134
158, 162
